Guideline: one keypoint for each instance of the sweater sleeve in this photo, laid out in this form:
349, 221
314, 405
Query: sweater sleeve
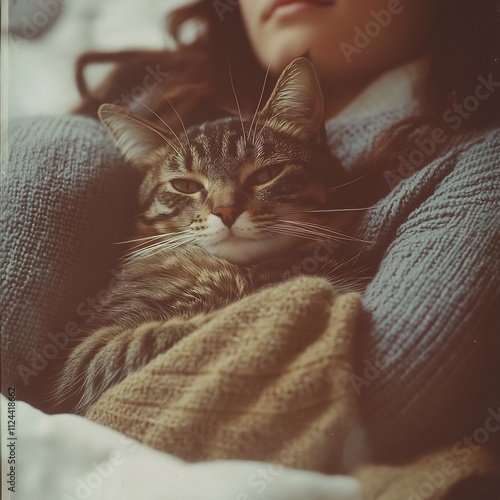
66, 197
429, 343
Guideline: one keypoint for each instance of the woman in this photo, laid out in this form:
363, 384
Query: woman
412, 93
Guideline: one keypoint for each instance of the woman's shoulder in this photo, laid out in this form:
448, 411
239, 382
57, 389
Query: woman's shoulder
488, 137
459, 186
441, 154
46, 148
467, 160
42, 129
475, 153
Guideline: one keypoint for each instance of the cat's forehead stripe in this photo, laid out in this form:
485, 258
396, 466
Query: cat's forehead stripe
230, 144
218, 150
199, 146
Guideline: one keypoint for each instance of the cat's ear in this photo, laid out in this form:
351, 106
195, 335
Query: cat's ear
135, 137
296, 104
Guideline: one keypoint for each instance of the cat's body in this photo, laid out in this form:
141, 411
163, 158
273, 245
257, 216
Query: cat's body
227, 208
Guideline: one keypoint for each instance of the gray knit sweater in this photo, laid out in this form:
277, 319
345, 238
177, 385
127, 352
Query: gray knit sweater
428, 349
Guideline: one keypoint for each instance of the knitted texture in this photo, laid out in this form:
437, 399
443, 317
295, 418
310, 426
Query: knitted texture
268, 372
430, 324
65, 199
427, 345
269, 379
431, 321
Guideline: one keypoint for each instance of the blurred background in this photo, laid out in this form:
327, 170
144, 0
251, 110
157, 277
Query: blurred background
46, 36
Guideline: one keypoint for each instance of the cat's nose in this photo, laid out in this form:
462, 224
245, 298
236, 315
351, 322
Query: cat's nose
228, 214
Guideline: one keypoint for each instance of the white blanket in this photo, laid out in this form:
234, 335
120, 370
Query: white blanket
67, 457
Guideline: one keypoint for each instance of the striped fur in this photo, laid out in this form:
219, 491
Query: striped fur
273, 169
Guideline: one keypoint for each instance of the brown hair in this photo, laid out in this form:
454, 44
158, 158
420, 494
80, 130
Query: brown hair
198, 85
464, 45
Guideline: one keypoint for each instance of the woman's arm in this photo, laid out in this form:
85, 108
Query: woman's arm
67, 197
428, 348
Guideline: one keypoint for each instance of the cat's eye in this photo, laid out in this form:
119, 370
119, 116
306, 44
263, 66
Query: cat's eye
186, 186
265, 174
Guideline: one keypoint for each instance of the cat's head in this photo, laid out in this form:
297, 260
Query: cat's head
243, 189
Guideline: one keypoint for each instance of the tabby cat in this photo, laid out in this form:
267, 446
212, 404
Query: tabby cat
227, 207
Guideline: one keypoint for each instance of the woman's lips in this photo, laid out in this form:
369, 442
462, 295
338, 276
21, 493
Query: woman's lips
285, 8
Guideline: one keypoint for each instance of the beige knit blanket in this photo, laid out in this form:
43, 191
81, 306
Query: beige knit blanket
269, 378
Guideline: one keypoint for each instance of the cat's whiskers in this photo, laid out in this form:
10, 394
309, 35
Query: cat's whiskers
157, 132
178, 116
286, 231
147, 238
331, 210
168, 241
347, 282
319, 229
159, 117
310, 234
237, 105
144, 242
295, 230
259, 103
154, 249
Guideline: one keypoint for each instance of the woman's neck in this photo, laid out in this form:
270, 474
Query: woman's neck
396, 88
338, 100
